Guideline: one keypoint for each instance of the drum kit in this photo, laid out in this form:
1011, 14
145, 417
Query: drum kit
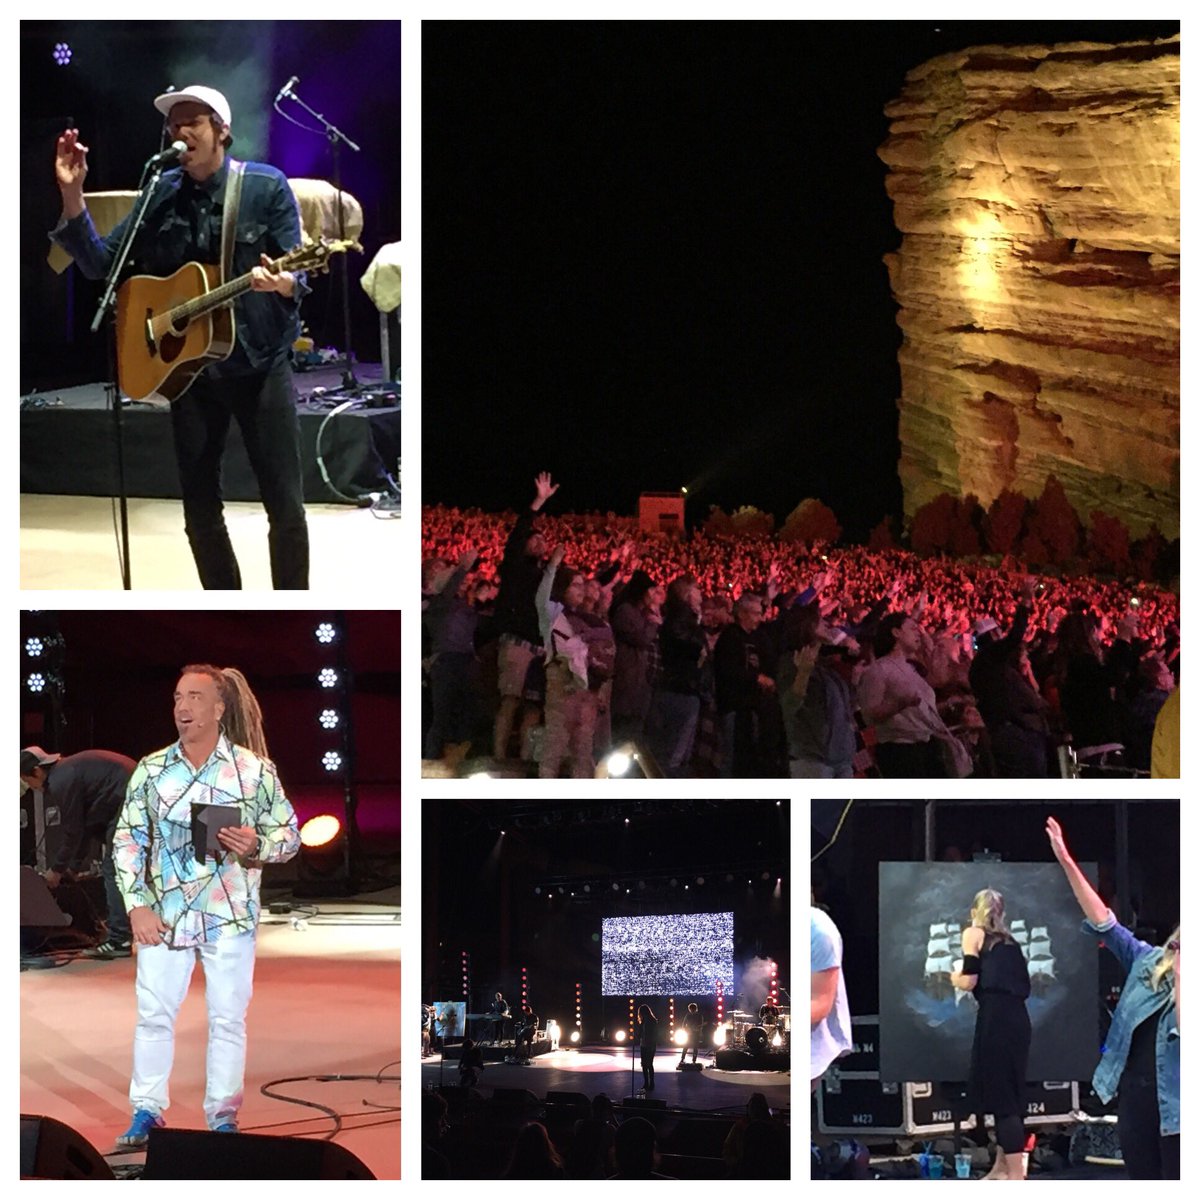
744, 1031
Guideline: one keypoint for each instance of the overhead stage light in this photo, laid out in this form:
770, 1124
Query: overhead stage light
330, 718
681, 1037
34, 647
575, 1037
331, 760
36, 682
325, 633
328, 678
62, 53
619, 1036
719, 1035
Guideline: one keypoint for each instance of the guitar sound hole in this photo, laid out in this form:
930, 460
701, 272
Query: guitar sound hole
169, 347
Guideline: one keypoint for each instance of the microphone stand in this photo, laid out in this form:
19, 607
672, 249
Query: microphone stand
350, 383
113, 391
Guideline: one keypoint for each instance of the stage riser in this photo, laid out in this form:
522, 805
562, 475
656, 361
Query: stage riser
70, 452
493, 1054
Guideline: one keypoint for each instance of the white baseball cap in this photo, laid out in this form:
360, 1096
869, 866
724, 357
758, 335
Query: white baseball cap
201, 95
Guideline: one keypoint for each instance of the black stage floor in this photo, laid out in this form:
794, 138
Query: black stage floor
68, 444
596, 1069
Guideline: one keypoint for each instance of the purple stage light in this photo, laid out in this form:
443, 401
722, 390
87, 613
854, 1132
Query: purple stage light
62, 53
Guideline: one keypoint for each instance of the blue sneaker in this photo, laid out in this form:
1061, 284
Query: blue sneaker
227, 1127
138, 1133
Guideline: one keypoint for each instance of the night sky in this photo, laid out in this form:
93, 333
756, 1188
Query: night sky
652, 258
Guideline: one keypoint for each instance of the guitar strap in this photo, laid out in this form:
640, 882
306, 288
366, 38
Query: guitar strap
233, 194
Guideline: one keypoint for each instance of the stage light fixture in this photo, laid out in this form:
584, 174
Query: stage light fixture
537, 891
681, 1037
330, 718
328, 678
777, 1040
325, 633
616, 887
331, 760
319, 831
62, 53
619, 1036
575, 1037
36, 682
618, 762
480, 775
626, 820
34, 647
322, 845
719, 1035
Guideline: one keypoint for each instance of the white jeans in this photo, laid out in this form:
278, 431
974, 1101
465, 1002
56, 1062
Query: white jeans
163, 975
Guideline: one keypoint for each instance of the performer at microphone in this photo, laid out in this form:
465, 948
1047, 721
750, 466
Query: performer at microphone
527, 1027
498, 1013
254, 384
693, 1024
185, 904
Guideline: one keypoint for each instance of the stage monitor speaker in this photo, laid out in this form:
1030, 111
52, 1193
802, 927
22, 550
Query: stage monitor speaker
640, 1102
52, 1150
513, 1098
576, 1098
200, 1154
696, 1066
735, 1060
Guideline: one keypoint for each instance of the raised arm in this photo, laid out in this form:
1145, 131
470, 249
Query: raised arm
1093, 907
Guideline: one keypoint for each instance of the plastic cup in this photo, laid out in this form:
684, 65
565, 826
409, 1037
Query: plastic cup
935, 1166
923, 1165
962, 1166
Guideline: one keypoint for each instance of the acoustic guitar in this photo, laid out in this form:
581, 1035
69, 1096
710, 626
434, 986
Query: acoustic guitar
170, 328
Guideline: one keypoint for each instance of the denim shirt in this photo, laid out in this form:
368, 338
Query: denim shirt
183, 224
1139, 1003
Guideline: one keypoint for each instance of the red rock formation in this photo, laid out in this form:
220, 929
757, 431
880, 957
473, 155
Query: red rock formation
1037, 191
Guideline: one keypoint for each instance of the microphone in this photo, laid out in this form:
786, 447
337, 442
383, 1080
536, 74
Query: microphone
286, 90
171, 154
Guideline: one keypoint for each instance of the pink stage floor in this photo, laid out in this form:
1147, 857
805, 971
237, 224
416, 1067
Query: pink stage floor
326, 1001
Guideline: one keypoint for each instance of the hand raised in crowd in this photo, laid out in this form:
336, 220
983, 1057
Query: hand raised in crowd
545, 487
1028, 589
468, 558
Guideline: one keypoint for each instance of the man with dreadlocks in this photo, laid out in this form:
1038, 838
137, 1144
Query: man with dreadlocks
186, 904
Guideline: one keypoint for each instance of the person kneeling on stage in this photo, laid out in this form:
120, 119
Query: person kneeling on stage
470, 1063
693, 1024
1139, 1062
527, 1027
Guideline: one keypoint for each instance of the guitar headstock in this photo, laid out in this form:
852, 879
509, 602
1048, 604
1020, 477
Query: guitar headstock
316, 256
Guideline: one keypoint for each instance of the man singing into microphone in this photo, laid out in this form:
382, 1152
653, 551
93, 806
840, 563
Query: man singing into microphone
254, 384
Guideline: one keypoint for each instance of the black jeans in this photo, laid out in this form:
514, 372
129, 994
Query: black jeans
265, 408
1147, 1153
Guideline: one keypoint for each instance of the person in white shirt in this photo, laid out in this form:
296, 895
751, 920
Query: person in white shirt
832, 1036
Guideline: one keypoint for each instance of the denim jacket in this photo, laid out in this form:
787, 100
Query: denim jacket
183, 224
1139, 1003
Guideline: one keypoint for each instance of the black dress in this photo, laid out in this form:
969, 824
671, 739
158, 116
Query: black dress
1000, 1054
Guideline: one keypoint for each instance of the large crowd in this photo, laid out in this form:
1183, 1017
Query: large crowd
556, 639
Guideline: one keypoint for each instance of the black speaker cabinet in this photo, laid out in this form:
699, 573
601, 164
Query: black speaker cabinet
200, 1154
52, 1150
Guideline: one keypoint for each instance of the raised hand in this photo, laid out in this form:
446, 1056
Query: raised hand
468, 558
70, 170
545, 488
1057, 842
1028, 589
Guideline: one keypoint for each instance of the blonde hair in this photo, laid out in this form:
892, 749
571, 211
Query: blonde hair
987, 910
1166, 963
242, 719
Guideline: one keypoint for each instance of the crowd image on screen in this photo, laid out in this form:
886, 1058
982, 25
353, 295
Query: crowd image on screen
679, 955
555, 639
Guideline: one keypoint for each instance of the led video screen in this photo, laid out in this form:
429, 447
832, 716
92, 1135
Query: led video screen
685, 954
